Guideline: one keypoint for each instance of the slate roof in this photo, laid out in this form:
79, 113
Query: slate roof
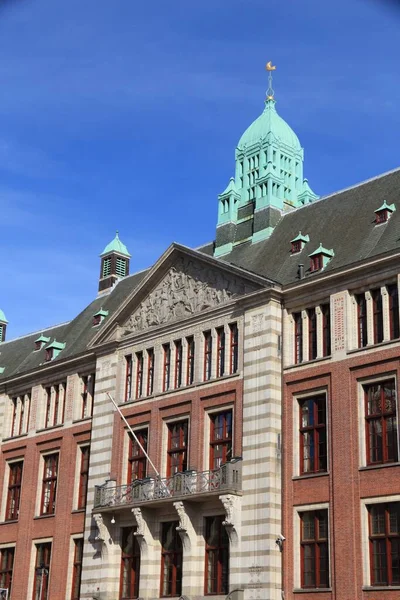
344, 221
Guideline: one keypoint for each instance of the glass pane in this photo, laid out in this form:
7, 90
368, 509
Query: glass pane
379, 562
374, 400
394, 517
395, 552
309, 566
377, 520
308, 529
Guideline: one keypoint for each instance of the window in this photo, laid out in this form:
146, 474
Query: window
150, 371
312, 334
137, 462
130, 564
171, 560
139, 374
190, 360
217, 557
298, 338
42, 571
317, 262
326, 329
384, 543
14, 490
207, 355
49, 485
381, 422
77, 569
167, 366
6, 568
177, 447
178, 363
83, 476
296, 247
20, 418
220, 351
393, 311
377, 315
220, 438
88, 383
55, 404
361, 320
106, 266
234, 341
128, 377
313, 446
381, 216
120, 267
314, 549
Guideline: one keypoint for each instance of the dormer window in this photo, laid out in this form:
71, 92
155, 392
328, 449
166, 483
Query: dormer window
99, 317
320, 258
384, 212
299, 242
40, 342
53, 350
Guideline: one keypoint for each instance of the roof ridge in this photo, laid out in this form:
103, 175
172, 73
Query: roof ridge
21, 337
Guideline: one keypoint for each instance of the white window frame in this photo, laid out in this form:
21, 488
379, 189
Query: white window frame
32, 562
207, 429
6, 483
164, 442
296, 428
41, 475
297, 511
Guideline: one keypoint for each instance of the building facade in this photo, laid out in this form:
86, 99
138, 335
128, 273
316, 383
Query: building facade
223, 424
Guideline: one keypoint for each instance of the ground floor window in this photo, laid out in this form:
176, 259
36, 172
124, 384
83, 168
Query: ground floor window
6, 568
171, 560
42, 571
217, 557
384, 543
314, 549
130, 564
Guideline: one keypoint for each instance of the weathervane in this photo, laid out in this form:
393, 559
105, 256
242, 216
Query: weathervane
270, 92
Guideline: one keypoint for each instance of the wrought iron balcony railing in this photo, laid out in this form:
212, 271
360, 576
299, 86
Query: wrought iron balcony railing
190, 483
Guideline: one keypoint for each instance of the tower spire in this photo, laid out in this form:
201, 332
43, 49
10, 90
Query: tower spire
269, 67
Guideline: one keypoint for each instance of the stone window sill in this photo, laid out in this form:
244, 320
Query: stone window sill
311, 590
310, 475
44, 517
380, 588
380, 466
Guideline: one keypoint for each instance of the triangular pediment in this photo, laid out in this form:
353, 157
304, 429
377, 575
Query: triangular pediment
188, 287
182, 284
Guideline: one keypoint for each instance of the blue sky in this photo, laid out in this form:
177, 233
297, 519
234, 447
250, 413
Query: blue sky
125, 115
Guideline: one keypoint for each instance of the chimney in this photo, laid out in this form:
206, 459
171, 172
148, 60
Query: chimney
301, 271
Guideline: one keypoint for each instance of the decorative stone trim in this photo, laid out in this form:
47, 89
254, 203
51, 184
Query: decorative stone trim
229, 502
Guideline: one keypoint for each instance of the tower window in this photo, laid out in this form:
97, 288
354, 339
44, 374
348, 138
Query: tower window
107, 266
120, 267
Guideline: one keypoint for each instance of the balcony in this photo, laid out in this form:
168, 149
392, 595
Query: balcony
190, 485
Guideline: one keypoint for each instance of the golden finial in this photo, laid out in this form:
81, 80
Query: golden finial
269, 67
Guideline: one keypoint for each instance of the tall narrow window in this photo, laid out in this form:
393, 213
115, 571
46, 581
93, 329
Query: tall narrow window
14, 490
77, 569
14, 420
171, 560
128, 377
139, 375
312, 334
20, 416
313, 446
326, 329
59, 404
137, 462
381, 422
220, 438
384, 542
88, 383
6, 568
207, 355
178, 364
150, 371
49, 485
234, 342
361, 320
314, 549
42, 571
177, 447
393, 311
220, 351
48, 407
378, 315
190, 360
167, 367
83, 476
298, 338
130, 564
217, 557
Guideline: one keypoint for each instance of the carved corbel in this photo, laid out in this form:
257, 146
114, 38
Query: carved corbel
185, 527
230, 522
142, 532
103, 535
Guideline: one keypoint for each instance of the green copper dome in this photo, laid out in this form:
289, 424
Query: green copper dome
270, 122
116, 246
2, 317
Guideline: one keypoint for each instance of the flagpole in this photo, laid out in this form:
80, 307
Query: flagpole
133, 434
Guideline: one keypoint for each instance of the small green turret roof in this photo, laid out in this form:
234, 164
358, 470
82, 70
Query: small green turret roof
116, 246
42, 338
385, 206
301, 238
101, 313
56, 345
2, 317
230, 188
322, 250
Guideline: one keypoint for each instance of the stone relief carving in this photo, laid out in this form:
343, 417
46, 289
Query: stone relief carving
230, 522
102, 530
185, 527
140, 522
188, 288
257, 322
183, 518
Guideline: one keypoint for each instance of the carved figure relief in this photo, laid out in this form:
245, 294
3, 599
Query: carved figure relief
188, 288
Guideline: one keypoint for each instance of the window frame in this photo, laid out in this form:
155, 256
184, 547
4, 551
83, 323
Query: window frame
180, 464
234, 348
326, 329
77, 568
6, 570
312, 334
362, 320
128, 377
208, 343
178, 380
139, 374
386, 537
140, 459
394, 318
225, 441
221, 552
166, 367
383, 416
315, 430
50, 480
150, 371
176, 555
46, 548
220, 370
133, 560
298, 337
83, 476
377, 315
316, 543
190, 360
14, 489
